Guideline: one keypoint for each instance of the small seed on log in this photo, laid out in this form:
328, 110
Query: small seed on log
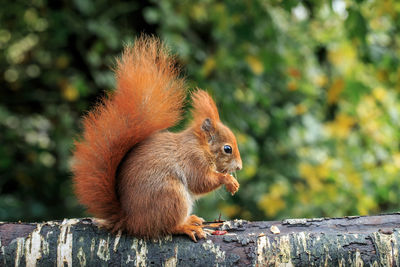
275, 230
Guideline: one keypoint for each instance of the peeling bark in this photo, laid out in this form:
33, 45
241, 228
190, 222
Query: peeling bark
349, 241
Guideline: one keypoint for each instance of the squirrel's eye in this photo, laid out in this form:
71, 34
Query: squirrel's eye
228, 149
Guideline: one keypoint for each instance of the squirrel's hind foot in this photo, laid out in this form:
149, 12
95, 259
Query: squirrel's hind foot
192, 227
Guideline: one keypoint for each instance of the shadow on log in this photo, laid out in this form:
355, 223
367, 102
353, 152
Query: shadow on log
349, 241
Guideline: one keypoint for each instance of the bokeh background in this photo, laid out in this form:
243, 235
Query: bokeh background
310, 88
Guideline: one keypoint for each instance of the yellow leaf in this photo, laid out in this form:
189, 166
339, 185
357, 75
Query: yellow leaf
321, 80
208, 66
272, 202
382, 75
239, 95
366, 204
271, 205
70, 93
390, 168
230, 210
300, 109
396, 159
335, 90
199, 12
250, 171
379, 93
355, 179
344, 57
341, 126
315, 174
255, 64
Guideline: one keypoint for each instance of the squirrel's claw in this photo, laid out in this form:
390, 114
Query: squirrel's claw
191, 230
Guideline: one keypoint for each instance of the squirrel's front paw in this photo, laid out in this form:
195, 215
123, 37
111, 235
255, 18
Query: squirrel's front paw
231, 184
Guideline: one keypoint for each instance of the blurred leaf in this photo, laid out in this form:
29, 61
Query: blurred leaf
354, 90
355, 25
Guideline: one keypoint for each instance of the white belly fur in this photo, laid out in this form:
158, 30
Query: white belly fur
190, 198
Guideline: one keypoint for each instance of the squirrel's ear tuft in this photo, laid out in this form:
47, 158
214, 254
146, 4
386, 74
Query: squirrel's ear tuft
205, 115
207, 125
204, 107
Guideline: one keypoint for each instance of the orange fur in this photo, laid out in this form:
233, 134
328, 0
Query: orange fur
134, 175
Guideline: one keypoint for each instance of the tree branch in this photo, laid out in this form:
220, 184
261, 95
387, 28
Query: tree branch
349, 241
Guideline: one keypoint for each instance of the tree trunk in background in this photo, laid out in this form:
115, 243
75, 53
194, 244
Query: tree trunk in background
349, 241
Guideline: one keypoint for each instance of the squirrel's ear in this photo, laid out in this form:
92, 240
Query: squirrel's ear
207, 125
208, 128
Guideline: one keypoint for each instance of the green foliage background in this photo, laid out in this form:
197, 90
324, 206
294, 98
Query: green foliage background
310, 88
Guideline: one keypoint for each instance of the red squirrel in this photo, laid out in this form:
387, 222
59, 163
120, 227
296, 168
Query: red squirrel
134, 174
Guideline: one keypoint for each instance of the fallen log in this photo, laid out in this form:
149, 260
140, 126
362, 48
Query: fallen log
348, 241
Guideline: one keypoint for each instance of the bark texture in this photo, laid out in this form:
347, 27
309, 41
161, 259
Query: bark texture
349, 241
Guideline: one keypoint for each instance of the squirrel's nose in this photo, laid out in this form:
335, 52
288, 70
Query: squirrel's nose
239, 166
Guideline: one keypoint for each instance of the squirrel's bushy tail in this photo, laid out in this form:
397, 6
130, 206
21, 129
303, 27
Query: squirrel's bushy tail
149, 97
